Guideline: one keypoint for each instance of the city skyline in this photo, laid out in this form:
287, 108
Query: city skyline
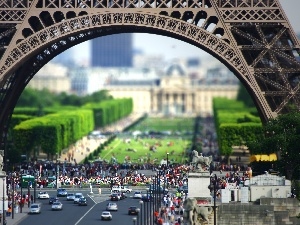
170, 48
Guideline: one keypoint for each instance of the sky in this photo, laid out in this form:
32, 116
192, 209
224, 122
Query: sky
171, 48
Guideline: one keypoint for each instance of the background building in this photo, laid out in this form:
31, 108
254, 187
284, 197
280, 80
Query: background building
53, 77
112, 51
177, 91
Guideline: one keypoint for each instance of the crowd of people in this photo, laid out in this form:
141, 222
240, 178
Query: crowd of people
103, 174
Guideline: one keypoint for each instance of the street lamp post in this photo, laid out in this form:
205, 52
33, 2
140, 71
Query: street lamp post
3, 202
145, 213
34, 189
148, 208
141, 211
57, 171
214, 186
167, 169
138, 216
13, 195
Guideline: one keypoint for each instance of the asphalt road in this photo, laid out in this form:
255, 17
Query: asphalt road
72, 214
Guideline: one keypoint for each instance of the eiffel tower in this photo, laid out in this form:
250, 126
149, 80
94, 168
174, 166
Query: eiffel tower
253, 38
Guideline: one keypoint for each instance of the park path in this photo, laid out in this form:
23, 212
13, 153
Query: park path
83, 147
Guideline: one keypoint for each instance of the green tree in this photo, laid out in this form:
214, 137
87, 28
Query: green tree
244, 96
281, 135
36, 98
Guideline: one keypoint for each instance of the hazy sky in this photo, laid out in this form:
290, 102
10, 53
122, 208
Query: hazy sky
172, 48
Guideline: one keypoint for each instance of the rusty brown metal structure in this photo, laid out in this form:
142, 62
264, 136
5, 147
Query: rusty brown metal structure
253, 38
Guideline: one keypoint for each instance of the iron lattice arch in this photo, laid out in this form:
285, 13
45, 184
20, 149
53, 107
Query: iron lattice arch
253, 38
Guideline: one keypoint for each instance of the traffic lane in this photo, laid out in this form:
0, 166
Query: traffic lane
118, 217
70, 214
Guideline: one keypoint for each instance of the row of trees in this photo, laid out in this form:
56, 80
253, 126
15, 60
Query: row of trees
237, 123
55, 127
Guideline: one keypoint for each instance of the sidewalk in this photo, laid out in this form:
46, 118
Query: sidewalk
18, 217
86, 146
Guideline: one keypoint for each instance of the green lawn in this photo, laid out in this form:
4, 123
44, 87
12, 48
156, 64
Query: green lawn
181, 125
138, 150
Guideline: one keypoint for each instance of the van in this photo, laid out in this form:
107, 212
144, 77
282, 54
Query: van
35, 208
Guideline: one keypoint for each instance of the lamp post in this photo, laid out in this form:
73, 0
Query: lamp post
213, 186
167, 169
144, 213
34, 189
138, 216
148, 208
134, 220
13, 195
141, 216
57, 171
3, 202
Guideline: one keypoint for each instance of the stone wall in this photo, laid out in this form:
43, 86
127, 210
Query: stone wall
270, 211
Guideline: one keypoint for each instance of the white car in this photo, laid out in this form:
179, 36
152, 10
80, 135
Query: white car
111, 206
35, 208
70, 196
137, 194
57, 206
106, 215
77, 197
43, 195
121, 189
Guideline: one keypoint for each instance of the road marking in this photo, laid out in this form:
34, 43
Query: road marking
85, 214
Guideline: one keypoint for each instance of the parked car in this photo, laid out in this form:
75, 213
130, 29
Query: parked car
82, 201
52, 200
115, 197
111, 206
77, 197
133, 210
35, 208
106, 215
61, 192
70, 196
43, 195
137, 194
57, 206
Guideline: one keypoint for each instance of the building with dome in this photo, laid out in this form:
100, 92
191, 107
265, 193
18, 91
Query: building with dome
173, 92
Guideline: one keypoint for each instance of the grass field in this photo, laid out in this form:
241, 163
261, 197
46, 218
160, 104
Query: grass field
128, 149
166, 124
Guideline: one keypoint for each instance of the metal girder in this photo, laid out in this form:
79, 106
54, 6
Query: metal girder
252, 38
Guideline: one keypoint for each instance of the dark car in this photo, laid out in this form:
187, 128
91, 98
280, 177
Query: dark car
147, 198
115, 197
156, 189
82, 201
123, 195
52, 199
61, 192
133, 210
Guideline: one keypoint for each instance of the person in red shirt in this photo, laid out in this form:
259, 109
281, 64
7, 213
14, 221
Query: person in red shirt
159, 221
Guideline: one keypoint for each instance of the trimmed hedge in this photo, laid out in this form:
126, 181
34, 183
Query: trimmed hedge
235, 124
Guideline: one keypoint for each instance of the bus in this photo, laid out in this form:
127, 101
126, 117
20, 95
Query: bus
27, 181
